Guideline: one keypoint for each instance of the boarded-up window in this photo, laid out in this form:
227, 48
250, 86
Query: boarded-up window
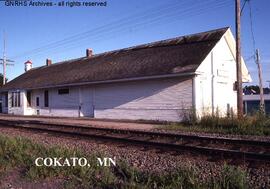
46, 98
63, 91
16, 99
28, 96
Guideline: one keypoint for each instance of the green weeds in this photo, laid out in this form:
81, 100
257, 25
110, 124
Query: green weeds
21, 153
257, 124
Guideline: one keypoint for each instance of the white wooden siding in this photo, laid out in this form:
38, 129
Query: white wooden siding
214, 84
65, 104
163, 99
150, 100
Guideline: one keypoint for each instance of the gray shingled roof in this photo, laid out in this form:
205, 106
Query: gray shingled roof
173, 56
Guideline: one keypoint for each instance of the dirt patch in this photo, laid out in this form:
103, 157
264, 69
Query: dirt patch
14, 179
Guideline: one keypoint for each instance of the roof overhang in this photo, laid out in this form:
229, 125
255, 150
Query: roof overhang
180, 75
246, 78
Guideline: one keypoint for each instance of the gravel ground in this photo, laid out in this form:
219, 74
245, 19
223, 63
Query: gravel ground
249, 137
148, 159
117, 124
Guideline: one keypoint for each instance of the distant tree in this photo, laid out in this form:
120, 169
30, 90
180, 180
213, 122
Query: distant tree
252, 89
255, 89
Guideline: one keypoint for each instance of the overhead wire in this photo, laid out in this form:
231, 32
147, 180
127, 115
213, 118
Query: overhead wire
97, 33
251, 28
100, 28
104, 28
242, 9
168, 19
167, 13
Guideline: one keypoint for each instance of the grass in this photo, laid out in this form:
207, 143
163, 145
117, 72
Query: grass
21, 153
250, 125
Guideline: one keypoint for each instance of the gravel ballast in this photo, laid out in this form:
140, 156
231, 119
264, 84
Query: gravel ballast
146, 159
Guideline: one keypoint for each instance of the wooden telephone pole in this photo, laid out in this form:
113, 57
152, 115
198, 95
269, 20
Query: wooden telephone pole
262, 110
5, 61
238, 60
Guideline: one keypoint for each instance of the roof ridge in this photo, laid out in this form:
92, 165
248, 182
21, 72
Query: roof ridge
152, 44
140, 46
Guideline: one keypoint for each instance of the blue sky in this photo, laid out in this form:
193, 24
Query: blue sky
34, 32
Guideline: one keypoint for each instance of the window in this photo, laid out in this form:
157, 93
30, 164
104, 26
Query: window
6, 99
46, 98
28, 97
15, 99
63, 91
37, 101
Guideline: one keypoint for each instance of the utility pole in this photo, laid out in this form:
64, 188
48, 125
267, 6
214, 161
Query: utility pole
238, 60
262, 110
5, 61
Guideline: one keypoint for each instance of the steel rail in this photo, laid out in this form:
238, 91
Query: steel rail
147, 133
142, 142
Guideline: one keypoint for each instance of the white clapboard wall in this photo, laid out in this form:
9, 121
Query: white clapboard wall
150, 100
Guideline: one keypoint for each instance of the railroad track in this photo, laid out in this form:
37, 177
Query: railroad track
211, 146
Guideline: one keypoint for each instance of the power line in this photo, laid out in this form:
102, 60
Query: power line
138, 20
249, 58
105, 28
242, 9
101, 36
115, 23
169, 20
251, 28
